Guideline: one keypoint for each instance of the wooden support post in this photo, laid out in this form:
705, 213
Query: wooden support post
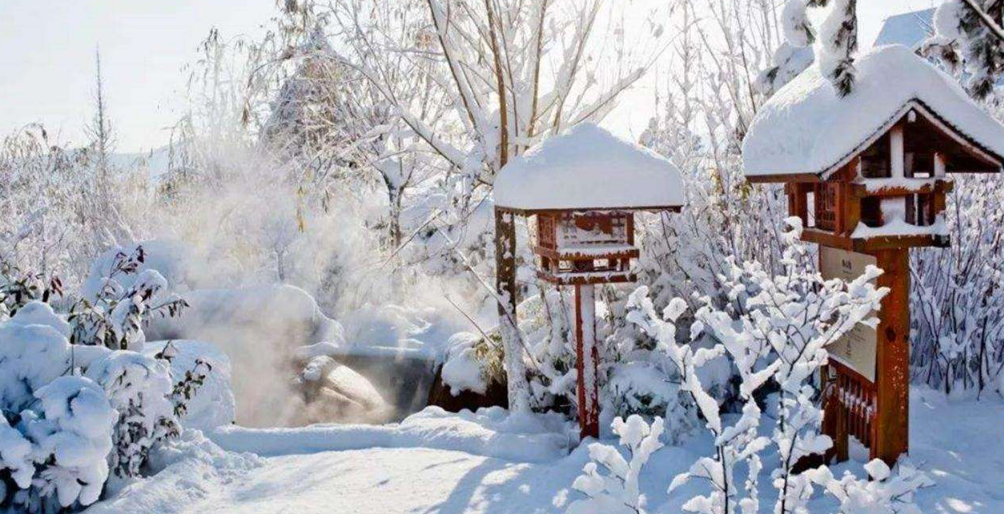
939, 164
896, 155
586, 361
893, 358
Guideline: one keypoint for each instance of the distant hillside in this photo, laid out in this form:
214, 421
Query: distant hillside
157, 162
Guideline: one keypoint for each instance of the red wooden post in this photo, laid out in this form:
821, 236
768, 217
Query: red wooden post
893, 357
586, 361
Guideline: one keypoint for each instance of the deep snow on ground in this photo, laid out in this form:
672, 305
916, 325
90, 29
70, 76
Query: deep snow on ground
439, 463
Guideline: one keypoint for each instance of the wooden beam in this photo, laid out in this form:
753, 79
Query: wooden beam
784, 178
875, 244
893, 357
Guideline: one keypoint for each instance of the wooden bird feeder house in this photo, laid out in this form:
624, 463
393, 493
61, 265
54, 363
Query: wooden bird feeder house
868, 175
583, 188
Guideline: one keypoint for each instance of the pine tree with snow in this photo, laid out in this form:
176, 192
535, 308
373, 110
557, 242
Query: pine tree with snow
969, 32
836, 43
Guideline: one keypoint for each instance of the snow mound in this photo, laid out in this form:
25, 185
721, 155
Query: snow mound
185, 471
282, 313
588, 168
171, 259
807, 128
213, 404
489, 432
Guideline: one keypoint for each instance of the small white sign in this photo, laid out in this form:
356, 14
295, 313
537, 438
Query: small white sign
857, 348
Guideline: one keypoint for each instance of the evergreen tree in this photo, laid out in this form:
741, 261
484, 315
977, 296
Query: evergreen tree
969, 32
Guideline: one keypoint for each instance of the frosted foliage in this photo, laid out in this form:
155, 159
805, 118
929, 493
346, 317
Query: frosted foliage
776, 329
72, 435
72, 413
881, 493
30, 357
956, 297
138, 387
965, 41
616, 491
947, 20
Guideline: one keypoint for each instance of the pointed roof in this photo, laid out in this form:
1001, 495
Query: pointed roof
588, 168
909, 29
807, 129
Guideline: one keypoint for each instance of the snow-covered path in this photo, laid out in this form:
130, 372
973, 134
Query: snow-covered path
417, 468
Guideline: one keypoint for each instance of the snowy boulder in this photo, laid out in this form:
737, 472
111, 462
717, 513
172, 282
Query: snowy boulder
808, 128
334, 391
285, 316
213, 404
588, 168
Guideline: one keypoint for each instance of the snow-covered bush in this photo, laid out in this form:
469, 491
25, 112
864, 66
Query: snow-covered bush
472, 362
140, 389
17, 288
66, 421
202, 394
115, 317
774, 331
957, 294
617, 491
72, 413
71, 435
880, 493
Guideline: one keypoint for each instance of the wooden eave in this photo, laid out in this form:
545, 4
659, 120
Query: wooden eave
967, 143
566, 255
588, 278
859, 190
872, 244
534, 212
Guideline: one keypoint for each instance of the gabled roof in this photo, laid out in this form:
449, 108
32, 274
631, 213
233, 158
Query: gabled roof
588, 168
910, 29
807, 129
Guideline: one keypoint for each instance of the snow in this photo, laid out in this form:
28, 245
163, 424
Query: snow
807, 128
461, 368
489, 432
899, 227
213, 404
588, 168
300, 470
909, 29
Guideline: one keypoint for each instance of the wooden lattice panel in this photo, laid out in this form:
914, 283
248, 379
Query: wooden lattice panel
850, 404
586, 248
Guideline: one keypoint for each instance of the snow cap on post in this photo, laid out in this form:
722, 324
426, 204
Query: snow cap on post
806, 128
588, 168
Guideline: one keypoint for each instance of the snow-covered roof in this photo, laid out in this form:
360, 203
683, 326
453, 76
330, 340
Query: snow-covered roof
806, 128
910, 29
588, 168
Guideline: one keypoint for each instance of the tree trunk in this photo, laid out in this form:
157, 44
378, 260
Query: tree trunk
505, 284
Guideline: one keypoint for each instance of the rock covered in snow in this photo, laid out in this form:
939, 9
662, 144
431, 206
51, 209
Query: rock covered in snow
285, 314
588, 168
806, 127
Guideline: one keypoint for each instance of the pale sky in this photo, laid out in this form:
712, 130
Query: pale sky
47, 58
